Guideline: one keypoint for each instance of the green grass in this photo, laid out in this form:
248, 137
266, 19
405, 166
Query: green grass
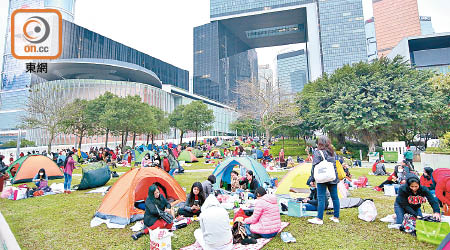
292, 147
62, 222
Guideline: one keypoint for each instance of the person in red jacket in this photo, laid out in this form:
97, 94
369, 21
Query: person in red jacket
427, 178
442, 178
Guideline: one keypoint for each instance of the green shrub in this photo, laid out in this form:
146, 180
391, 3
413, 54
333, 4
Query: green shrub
435, 150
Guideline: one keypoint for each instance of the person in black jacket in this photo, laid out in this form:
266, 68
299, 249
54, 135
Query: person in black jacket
194, 201
250, 183
154, 205
410, 197
312, 202
325, 152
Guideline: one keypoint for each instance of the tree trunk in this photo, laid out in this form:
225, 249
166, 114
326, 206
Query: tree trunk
106, 141
153, 139
134, 140
341, 138
81, 140
304, 139
181, 136
196, 137
148, 138
121, 142
267, 136
125, 139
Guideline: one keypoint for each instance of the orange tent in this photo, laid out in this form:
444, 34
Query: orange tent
25, 168
118, 204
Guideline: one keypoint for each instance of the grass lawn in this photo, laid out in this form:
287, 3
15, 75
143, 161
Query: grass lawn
292, 147
62, 222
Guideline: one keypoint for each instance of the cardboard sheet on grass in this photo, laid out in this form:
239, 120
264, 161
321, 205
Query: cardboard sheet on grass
259, 245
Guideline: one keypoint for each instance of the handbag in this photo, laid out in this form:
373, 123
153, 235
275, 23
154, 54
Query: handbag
340, 170
431, 231
409, 224
324, 171
168, 218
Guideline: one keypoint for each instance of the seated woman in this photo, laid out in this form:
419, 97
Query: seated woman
312, 202
397, 177
146, 162
249, 183
215, 230
194, 201
427, 179
410, 197
265, 221
154, 204
40, 179
380, 169
208, 185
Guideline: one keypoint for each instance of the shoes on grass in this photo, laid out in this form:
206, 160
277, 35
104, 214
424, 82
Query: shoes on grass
316, 221
334, 219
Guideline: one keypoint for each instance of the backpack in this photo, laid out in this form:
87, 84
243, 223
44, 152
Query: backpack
238, 232
409, 224
324, 171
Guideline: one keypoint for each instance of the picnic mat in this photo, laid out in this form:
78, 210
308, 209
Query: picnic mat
259, 245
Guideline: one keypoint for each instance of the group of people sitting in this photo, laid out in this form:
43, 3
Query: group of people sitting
215, 229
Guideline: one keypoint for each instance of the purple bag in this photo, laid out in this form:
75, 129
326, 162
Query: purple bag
43, 184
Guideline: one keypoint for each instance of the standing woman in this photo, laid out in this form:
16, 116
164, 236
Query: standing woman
324, 147
69, 166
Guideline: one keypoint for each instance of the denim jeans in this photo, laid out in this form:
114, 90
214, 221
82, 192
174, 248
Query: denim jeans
67, 181
321, 196
400, 212
247, 230
310, 207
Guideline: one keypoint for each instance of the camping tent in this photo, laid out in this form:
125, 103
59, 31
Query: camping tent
225, 144
198, 153
118, 203
84, 155
141, 148
296, 178
95, 175
219, 151
259, 154
25, 168
187, 156
223, 170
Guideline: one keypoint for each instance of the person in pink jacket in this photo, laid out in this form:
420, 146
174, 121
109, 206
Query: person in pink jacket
265, 221
69, 166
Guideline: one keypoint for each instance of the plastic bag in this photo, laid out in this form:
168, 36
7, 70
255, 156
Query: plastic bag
432, 232
160, 239
389, 190
367, 211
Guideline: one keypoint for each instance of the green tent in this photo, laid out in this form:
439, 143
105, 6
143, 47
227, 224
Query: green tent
141, 156
94, 175
198, 153
187, 156
226, 144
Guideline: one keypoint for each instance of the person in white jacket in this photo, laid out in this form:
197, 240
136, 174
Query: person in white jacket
215, 230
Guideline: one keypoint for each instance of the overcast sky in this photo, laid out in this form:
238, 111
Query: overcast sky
164, 29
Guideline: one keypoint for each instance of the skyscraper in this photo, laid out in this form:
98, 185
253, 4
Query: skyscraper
426, 26
394, 20
292, 68
332, 30
371, 40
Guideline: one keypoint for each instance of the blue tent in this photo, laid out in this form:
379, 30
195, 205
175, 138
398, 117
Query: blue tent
223, 170
259, 154
141, 148
84, 155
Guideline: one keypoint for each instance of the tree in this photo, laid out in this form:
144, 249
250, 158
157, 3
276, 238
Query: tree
273, 107
369, 101
177, 120
44, 110
77, 120
197, 117
156, 123
97, 112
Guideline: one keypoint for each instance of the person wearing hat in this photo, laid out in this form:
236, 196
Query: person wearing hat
411, 196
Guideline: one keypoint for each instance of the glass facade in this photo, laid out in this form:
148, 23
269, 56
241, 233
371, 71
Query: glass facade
342, 34
292, 70
90, 89
220, 61
78, 42
220, 8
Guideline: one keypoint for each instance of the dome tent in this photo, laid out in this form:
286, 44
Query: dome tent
25, 168
118, 203
223, 170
